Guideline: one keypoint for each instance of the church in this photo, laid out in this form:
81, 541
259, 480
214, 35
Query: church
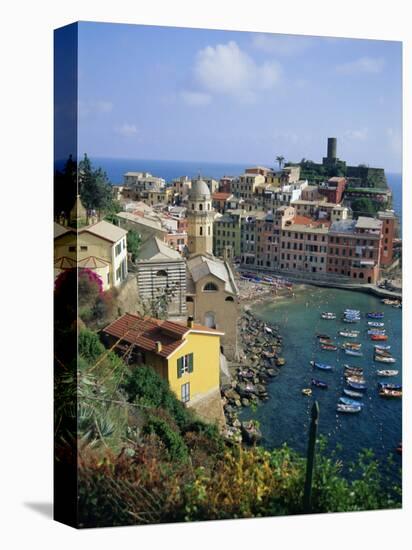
212, 294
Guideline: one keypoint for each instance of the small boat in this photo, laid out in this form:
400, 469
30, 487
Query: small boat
327, 341
323, 336
348, 401
387, 372
328, 315
353, 372
268, 329
320, 366
319, 384
354, 352
351, 345
375, 315
376, 331
382, 352
382, 359
352, 393
390, 302
352, 367
375, 324
381, 347
351, 319
340, 407
348, 310
384, 386
385, 392
356, 386
354, 379
329, 347
307, 391
379, 337
349, 333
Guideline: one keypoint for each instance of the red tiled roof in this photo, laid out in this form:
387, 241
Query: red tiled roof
221, 196
305, 220
146, 331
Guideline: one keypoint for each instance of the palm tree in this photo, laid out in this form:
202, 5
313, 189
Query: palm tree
280, 160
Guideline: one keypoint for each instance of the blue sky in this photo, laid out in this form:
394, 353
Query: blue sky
193, 94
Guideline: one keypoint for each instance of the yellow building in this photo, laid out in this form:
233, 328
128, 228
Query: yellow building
187, 356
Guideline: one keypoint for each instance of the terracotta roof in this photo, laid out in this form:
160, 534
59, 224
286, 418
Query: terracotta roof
305, 220
146, 331
221, 196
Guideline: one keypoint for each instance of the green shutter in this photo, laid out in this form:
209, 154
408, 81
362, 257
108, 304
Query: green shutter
190, 358
179, 367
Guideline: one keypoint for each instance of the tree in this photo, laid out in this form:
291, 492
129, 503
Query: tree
133, 243
94, 186
364, 207
280, 161
65, 187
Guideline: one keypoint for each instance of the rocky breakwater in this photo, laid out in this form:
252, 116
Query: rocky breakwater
261, 362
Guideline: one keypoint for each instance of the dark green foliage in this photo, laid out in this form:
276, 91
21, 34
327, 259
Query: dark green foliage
145, 386
65, 188
95, 189
90, 347
133, 243
172, 440
364, 207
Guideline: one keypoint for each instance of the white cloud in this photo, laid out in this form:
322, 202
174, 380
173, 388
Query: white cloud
360, 134
368, 65
126, 130
195, 98
99, 106
226, 69
281, 44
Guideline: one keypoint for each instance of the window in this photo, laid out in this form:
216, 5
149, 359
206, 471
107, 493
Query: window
229, 299
118, 249
72, 249
200, 230
83, 248
184, 365
161, 273
185, 392
210, 287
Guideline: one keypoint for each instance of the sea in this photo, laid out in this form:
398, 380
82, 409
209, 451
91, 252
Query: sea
171, 169
285, 417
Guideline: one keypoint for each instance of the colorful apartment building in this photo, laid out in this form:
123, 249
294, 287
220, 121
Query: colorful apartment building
354, 249
389, 224
333, 189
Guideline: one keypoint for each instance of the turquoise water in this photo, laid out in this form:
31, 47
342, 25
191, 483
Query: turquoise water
285, 417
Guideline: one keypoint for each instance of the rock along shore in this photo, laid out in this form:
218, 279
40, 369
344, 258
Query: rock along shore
261, 362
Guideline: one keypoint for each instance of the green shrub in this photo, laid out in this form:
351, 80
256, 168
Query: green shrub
90, 347
172, 440
144, 385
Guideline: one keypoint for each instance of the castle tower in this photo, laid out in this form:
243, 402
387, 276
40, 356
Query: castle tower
200, 217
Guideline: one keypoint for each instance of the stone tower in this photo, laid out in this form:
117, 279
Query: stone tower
200, 217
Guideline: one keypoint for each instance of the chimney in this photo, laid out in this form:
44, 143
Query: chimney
158, 346
190, 322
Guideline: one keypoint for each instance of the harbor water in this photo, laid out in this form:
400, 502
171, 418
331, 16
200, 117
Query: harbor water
285, 417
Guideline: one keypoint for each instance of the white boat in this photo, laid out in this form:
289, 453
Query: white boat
381, 347
382, 359
353, 352
328, 315
387, 372
348, 408
349, 333
375, 324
